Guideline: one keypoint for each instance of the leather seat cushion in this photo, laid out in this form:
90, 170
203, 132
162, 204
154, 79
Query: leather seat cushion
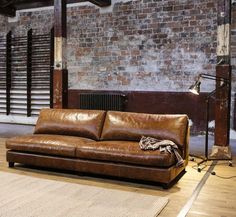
46, 144
124, 152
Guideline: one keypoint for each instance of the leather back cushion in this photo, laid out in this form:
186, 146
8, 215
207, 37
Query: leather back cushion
74, 122
132, 126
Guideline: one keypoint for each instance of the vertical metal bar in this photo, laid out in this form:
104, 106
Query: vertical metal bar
207, 131
51, 66
103, 102
8, 73
29, 70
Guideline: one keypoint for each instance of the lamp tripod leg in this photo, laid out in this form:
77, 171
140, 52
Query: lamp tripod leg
199, 169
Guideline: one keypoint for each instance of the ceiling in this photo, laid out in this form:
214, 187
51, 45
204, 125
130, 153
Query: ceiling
9, 7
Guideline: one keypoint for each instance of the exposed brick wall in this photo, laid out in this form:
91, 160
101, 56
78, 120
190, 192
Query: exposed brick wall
153, 45
141, 45
39, 21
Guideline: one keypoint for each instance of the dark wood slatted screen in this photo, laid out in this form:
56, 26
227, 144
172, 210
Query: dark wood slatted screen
26, 66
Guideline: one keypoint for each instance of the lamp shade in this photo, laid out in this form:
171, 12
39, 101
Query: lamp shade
195, 88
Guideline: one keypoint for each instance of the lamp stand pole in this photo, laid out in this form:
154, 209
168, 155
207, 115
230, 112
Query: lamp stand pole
207, 131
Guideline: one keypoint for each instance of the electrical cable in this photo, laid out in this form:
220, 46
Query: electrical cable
195, 167
225, 177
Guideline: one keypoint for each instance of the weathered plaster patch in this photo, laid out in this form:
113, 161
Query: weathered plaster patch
110, 8
14, 19
221, 152
60, 53
223, 34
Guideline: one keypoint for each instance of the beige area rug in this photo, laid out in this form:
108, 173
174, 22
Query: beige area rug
24, 196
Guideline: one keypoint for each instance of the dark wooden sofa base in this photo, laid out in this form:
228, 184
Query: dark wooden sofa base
166, 176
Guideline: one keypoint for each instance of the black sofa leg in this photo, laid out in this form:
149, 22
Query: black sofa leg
170, 184
11, 164
166, 186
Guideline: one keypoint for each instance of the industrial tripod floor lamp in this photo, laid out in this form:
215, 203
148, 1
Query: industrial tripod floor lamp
195, 89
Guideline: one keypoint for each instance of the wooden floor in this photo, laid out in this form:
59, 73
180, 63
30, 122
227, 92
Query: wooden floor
216, 198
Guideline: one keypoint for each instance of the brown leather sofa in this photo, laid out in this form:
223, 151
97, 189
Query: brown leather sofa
105, 143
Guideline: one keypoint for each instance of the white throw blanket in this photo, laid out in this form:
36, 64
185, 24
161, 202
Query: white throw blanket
149, 143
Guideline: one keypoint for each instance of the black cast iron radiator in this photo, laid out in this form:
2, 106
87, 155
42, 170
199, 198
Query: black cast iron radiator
103, 101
